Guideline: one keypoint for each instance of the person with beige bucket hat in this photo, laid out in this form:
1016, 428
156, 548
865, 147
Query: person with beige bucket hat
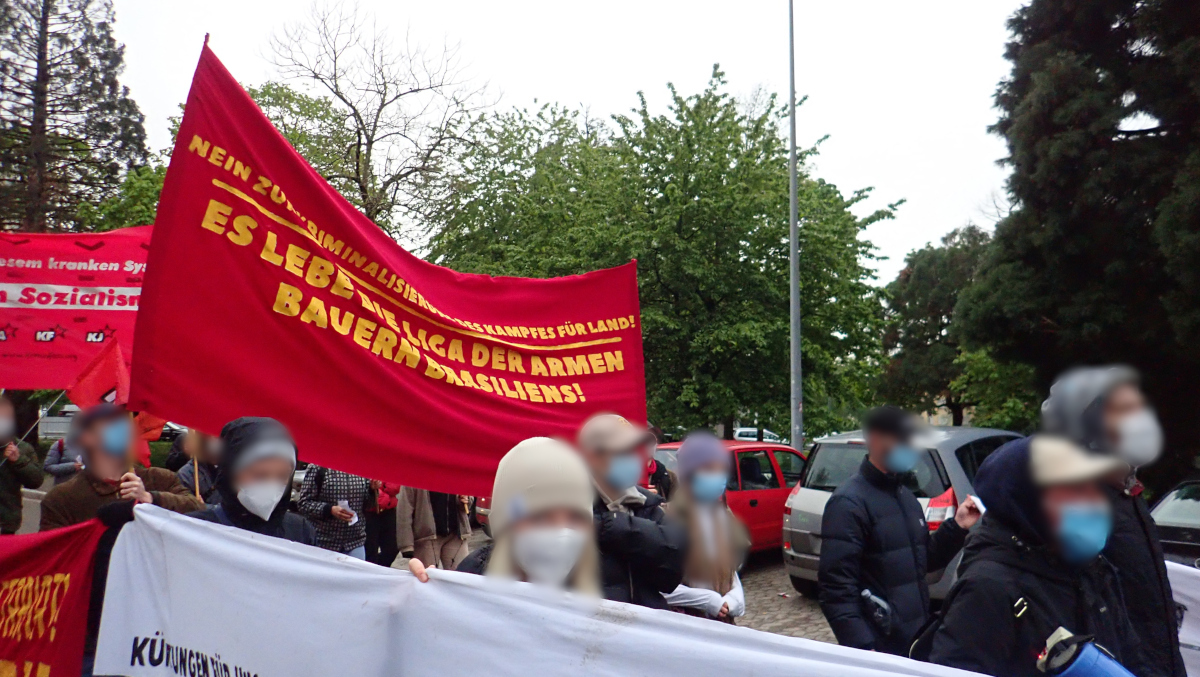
541, 521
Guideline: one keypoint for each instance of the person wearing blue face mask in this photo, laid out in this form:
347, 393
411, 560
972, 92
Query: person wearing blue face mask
875, 543
1035, 564
711, 587
641, 550
105, 436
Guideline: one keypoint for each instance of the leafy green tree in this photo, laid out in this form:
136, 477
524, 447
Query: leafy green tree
68, 129
921, 300
134, 204
1100, 259
699, 196
1001, 395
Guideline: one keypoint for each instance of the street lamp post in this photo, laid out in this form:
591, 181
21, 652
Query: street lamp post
794, 254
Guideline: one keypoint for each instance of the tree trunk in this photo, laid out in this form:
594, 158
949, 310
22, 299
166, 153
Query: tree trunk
956, 412
35, 178
727, 424
760, 433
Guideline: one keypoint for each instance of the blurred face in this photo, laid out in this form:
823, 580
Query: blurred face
1055, 499
555, 518
95, 442
8, 423
1122, 401
879, 445
275, 470
707, 484
617, 470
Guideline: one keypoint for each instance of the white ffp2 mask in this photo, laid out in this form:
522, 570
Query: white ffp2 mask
1141, 440
547, 555
261, 498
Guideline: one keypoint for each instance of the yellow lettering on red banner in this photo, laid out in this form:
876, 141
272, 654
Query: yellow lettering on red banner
287, 300
268, 251
363, 331
241, 234
29, 605
216, 216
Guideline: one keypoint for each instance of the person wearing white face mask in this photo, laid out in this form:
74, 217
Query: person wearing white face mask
1104, 410
711, 587
254, 481
541, 521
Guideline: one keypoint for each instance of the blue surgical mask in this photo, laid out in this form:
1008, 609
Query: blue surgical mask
708, 487
624, 471
901, 459
115, 437
1083, 530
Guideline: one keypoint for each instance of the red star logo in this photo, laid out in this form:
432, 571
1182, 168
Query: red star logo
109, 332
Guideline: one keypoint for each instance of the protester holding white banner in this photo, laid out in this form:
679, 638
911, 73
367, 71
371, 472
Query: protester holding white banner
541, 520
711, 587
254, 482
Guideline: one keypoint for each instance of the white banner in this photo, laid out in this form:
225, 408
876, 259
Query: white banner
187, 597
1185, 586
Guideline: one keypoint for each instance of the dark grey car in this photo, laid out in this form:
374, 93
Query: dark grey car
943, 478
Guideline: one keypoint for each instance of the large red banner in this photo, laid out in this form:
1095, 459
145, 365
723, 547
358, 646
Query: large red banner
62, 297
269, 294
45, 588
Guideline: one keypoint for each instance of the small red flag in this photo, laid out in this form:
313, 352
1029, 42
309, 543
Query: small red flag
104, 379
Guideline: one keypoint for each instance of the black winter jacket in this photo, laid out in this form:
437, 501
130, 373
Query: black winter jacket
641, 554
1134, 549
985, 629
874, 537
238, 436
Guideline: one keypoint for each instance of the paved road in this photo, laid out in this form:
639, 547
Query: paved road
773, 606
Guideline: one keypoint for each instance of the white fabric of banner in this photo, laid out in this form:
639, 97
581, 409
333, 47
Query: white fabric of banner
1185, 586
187, 597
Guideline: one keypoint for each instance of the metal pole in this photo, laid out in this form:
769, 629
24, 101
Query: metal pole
794, 258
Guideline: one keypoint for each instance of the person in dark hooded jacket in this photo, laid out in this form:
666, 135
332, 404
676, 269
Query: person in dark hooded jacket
254, 481
1033, 565
874, 538
1103, 409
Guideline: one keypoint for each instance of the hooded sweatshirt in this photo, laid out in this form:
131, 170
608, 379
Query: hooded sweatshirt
1013, 591
237, 437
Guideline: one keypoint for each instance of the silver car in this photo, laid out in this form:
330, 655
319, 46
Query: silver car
942, 478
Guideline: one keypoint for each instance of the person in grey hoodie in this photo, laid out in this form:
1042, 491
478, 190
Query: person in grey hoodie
64, 458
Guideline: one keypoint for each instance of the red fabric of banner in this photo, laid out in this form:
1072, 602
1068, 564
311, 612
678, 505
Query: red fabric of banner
45, 588
269, 294
62, 297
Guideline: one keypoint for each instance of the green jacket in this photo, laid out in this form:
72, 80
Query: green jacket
23, 472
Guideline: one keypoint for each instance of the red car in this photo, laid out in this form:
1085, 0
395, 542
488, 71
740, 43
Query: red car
763, 475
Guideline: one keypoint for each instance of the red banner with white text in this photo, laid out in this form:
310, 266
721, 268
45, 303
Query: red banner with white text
62, 297
45, 588
269, 294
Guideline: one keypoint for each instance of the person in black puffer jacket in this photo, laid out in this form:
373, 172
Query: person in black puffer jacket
254, 481
642, 552
1103, 409
1026, 571
874, 537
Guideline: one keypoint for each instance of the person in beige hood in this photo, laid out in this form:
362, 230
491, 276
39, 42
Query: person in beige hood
541, 521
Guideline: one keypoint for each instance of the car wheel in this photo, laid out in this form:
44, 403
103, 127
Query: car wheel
804, 586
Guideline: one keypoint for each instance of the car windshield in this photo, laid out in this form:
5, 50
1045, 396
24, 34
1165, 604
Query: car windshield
666, 457
831, 464
1179, 508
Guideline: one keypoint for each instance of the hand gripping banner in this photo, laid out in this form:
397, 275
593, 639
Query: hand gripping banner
62, 297
268, 294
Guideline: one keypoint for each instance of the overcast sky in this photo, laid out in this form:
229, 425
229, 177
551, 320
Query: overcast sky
903, 89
